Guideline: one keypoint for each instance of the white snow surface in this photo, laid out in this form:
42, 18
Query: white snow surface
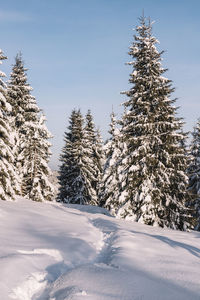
51, 251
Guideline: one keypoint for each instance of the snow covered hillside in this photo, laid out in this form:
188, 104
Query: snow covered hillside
56, 252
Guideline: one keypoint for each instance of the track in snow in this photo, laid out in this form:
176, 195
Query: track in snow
104, 255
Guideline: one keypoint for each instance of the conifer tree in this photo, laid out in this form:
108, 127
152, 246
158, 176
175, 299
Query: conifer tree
67, 164
8, 177
32, 153
153, 162
36, 151
90, 141
99, 158
111, 185
93, 145
20, 100
194, 174
76, 171
18, 91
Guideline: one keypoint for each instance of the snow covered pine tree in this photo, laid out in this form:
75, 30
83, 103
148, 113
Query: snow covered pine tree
154, 163
99, 160
76, 171
36, 151
8, 182
194, 174
67, 165
32, 152
111, 185
18, 97
94, 146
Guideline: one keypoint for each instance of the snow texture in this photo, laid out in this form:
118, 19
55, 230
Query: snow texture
58, 252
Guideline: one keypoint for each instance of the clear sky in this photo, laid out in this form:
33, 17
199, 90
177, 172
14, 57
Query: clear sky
76, 52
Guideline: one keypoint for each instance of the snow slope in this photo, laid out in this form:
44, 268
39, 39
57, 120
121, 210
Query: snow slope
49, 251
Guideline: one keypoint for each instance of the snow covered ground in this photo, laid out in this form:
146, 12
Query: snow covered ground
56, 252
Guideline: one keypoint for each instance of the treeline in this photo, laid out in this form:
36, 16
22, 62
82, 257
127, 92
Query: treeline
24, 139
144, 172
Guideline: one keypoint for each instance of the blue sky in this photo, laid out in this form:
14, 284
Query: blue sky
76, 52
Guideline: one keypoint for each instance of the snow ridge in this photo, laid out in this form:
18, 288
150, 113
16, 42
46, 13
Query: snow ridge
51, 252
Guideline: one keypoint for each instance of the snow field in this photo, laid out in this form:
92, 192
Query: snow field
49, 251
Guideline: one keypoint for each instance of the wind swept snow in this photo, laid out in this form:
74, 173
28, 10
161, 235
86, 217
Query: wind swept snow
34, 283
51, 251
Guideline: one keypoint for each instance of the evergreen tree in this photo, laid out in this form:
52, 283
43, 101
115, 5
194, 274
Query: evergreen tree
90, 141
76, 171
67, 164
111, 185
22, 104
154, 163
8, 177
36, 151
194, 174
18, 92
32, 153
93, 143
99, 159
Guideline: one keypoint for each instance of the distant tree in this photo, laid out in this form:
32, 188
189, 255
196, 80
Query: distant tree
76, 171
111, 185
194, 174
99, 160
89, 143
154, 163
8, 177
94, 148
67, 164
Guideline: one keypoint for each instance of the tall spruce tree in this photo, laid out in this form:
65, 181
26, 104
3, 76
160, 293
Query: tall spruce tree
153, 162
194, 175
8, 176
19, 98
76, 171
31, 154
